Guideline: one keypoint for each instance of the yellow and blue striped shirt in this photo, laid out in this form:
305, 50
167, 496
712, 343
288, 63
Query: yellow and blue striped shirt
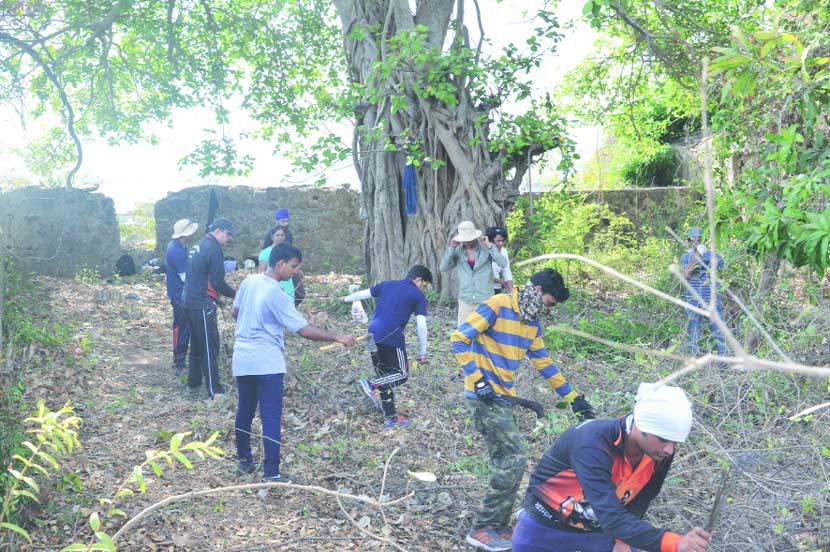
492, 342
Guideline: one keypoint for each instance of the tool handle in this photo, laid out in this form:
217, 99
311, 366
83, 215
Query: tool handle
334, 346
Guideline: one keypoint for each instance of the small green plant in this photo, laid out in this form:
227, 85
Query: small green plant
87, 275
55, 434
136, 481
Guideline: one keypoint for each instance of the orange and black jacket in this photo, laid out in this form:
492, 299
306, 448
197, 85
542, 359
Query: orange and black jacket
584, 483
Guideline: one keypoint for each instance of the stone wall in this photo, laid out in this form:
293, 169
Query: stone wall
652, 207
58, 231
325, 222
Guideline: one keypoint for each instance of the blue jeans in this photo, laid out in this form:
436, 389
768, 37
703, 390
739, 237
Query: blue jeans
695, 326
266, 391
531, 535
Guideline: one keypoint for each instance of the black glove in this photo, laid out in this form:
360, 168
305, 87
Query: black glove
583, 409
484, 391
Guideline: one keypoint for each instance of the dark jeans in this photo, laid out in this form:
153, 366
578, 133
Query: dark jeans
531, 535
390, 371
265, 391
181, 335
204, 350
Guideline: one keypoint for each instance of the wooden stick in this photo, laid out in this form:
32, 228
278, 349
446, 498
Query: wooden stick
334, 346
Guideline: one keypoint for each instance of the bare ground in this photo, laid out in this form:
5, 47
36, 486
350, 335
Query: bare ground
118, 375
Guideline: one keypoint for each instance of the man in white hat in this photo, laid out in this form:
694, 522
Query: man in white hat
473, 256
591, 489
176, 268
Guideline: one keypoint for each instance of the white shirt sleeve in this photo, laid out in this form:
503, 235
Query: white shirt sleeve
421, 325
361, 295
506, 274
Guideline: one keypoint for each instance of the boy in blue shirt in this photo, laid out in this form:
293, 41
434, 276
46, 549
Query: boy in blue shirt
397, 301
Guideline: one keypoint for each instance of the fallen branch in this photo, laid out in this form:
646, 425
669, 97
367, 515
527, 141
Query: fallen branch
218, 490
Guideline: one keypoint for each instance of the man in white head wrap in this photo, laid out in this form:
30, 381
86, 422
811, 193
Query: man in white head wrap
592, 488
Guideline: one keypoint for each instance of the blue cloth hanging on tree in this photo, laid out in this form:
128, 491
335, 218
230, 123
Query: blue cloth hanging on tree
410, 196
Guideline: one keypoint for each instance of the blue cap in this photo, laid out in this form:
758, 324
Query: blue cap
281, 214
695, 232
222, 224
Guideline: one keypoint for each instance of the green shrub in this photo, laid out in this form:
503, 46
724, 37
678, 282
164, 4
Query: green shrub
650, 166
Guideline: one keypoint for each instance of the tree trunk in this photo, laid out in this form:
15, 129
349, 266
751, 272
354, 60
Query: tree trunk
769, 277
464, 186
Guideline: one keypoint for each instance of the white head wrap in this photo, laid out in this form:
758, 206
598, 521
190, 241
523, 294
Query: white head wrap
664, 411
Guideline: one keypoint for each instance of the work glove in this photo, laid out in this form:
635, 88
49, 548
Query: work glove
583, 409
484, 392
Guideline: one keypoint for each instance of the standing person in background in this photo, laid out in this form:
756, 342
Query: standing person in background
204, 282
175, 261
472, 254
277, 237
281, 216
695, 265
262, 313
397, 301
502, 276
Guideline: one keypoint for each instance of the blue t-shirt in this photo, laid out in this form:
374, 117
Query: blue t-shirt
264, 311
397, 300
175, 264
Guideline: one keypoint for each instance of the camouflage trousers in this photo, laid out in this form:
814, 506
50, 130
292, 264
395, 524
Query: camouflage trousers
505, 448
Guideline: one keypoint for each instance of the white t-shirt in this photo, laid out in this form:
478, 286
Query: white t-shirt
264, 311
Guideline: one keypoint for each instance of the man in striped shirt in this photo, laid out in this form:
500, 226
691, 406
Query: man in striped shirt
489, 345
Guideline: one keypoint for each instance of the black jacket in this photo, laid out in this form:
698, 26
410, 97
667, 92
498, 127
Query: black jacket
205, 265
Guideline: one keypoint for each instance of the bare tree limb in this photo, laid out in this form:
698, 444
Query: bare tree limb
64, 99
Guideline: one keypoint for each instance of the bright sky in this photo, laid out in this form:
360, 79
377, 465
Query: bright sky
143, 172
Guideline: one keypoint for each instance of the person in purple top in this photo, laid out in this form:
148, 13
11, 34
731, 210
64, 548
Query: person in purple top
397, 301
175, 262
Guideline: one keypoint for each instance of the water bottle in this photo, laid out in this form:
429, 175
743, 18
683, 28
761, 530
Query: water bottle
358, 313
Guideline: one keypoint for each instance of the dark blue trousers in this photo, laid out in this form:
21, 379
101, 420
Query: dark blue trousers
265, 391
181, 336
531, 535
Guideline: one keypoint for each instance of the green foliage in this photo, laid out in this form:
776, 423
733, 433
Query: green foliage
563, 222
138, 227
650, 166
22, 325
775, 100
56, 434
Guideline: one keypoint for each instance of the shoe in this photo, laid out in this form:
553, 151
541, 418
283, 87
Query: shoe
486, 538
397, 421
279, 478
245, 468
371, 393
506, 533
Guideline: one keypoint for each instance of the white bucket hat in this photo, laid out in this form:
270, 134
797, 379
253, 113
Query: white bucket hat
184, 228
467, 231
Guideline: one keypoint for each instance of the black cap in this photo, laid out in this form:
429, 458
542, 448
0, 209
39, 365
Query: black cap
551, 282
223, 224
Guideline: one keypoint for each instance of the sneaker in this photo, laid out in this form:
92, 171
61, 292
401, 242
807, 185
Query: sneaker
506, 533
397, 421
371, 393
486, 538
245, 468
279, 478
